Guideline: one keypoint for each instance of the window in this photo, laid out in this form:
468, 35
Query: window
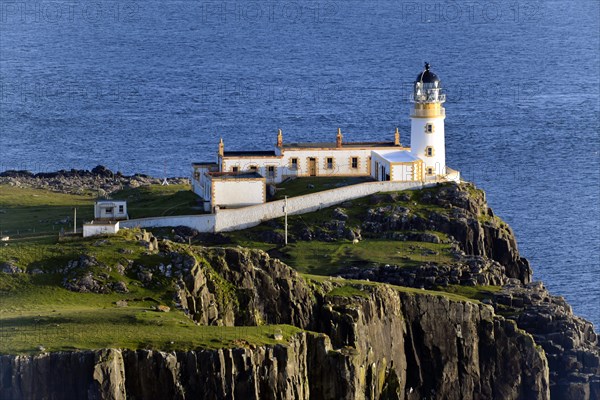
294, 163
429, 151
354, 162
196, 175
271, 171
429, 128
121, 209
329, 163
108, 210
253, 168
235, 169
429, 170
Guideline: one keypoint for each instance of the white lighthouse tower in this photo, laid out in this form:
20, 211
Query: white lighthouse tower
427, 124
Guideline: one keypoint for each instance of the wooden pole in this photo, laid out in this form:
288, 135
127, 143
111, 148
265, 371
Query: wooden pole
285, 210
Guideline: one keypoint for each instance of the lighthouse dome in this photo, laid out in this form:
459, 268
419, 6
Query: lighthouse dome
427, 76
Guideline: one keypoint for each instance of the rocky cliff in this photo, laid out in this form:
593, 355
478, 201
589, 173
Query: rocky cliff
384, 344
459, 211
359, 339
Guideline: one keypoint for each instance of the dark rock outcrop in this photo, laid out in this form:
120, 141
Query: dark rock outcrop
460, 211
99, 179
468, 270
236, 286
570, 343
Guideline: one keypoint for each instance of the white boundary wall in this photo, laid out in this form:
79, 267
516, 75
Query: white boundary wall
202, 222
100, 229
241, 218
231, 220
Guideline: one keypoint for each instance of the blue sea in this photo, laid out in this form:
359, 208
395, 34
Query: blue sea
150, 86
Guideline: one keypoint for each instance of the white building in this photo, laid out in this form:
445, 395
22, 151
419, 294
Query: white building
110, 210
100, 228
226, 183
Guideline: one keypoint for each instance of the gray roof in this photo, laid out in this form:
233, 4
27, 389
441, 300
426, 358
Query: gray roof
250, 153
331, 145
235, 175
205, 163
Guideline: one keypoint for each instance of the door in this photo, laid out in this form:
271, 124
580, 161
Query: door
312, 166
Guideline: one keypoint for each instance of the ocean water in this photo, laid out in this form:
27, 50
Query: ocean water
151, 86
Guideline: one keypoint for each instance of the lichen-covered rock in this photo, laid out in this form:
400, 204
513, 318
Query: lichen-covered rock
228, 286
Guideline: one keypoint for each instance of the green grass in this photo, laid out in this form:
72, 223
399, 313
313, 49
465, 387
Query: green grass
366, 286
36, 215
299, 186
100, 323
49, 255
36, 311
326, 258
157, 200
472, 292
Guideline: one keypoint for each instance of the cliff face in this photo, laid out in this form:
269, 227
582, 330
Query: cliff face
384, 345
400, 348
233, 287
570, 343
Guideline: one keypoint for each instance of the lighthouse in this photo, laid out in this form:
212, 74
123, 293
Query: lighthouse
427, 124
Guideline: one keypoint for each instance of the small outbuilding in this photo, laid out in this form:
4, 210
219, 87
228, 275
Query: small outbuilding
100, 227
230, 189
113, 210
396, 166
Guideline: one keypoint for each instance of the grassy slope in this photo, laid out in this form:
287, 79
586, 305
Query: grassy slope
156, 200
35, 310
34, 214
68, 321
300, 186
326, 258
355, 287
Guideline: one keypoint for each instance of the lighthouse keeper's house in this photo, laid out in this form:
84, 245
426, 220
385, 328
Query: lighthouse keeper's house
239, 178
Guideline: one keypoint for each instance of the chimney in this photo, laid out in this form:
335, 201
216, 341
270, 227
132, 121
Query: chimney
397, 138
338, 138
221, 147
279, 138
